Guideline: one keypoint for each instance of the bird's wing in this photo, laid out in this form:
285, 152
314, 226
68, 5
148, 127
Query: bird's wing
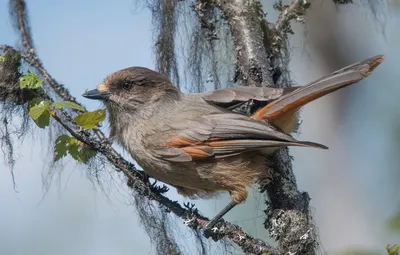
231, 96
217, 136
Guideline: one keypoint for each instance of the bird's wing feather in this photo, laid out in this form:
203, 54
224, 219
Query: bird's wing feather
230, 96
220, 135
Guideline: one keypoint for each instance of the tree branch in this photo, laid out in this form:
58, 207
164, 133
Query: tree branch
288, 218
293, 11
244, 19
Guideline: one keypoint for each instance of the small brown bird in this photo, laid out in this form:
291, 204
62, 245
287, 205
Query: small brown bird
194, 142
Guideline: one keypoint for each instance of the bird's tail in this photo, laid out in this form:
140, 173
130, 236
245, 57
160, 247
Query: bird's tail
284, 108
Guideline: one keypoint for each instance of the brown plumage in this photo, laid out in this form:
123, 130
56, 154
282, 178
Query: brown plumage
194, 142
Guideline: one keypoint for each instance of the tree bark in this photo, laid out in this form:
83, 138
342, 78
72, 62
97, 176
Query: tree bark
288, 218
244, 19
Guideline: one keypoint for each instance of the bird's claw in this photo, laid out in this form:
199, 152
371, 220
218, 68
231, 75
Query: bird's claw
160, 189
189, 206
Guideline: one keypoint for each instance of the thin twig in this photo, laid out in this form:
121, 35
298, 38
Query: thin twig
287, 14
282, 29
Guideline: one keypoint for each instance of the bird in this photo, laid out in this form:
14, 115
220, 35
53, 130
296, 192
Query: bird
197, 142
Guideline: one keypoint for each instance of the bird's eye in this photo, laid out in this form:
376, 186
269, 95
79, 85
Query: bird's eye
126, 86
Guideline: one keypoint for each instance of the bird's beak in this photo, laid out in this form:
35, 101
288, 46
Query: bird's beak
96, 94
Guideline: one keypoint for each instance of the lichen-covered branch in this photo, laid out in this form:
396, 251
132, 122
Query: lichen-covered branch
293, 11
244, 19
282, 28
288, 218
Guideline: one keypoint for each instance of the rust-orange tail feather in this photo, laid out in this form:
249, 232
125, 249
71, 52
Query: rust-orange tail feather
281, 111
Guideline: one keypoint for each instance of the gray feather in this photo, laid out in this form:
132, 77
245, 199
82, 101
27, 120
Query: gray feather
243, 94
240, 133
172, 154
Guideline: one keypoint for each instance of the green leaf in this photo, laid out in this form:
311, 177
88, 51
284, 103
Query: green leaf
69, 104
393, 250
37, 110
80, 154
61, 147
30, 81
2, 58
69, 144
44, 119
89, 120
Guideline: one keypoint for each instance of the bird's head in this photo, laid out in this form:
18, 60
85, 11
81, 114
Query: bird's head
133, 89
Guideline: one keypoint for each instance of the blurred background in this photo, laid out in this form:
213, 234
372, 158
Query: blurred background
354, 186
